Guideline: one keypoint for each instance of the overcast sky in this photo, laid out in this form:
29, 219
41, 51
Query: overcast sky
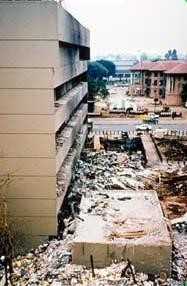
129, 26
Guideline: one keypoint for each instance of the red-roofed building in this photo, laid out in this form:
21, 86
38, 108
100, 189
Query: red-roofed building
141, 78
151, 79
176, 78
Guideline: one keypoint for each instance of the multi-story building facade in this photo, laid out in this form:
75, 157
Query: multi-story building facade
151, 79
176, 80
43, 110
141, 78
158, 77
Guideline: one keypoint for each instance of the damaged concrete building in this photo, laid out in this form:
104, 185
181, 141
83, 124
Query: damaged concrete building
43, 91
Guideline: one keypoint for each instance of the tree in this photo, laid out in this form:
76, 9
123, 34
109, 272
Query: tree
168, 55
156, 58
110, 66
97, 87
96, 71
143, 57
171, 55
174, 55
96, 84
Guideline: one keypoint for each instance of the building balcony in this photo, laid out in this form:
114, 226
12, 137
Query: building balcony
66, 105
71, 31
64, 175
66, 73
66, 138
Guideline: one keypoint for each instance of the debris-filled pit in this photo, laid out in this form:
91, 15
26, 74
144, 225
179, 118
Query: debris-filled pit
172, 149
99, 174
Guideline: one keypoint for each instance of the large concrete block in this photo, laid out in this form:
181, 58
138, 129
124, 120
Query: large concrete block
131, 226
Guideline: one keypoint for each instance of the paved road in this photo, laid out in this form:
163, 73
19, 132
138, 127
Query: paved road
130, 125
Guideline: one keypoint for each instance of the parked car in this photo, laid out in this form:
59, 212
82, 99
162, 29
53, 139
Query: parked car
144, 127
153, 115
151, 118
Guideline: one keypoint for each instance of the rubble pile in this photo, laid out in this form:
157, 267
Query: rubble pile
172, 188
42, 266
179, 226
173, 150
50, 263
109, 170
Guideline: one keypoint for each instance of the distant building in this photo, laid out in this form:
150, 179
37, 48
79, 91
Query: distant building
141, 81
123, 69
151, 79
176, 78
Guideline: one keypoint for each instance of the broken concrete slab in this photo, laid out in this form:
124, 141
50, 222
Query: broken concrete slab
129, 224
150, 151
65, 173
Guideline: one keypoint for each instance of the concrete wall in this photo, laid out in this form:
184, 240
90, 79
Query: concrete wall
42, 20
35, 59
70, 30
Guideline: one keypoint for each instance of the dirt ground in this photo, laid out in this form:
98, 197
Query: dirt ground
120, 92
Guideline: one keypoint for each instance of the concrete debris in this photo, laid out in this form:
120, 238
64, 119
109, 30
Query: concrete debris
99, 172
126, 224
109, 171
173, 150
180, 220
48, 265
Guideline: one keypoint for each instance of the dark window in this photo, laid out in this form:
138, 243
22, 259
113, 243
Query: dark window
173, 84
160, 92
148, 81
155, 74
155, 82
84, 53
161, 82
147, 91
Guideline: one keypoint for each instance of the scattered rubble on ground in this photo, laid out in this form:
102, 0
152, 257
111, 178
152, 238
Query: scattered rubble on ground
172, 149
50, 264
